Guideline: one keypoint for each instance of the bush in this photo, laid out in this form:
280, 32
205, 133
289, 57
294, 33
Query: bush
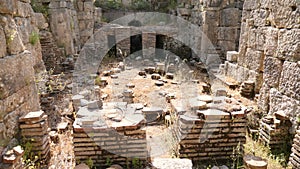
39, 8
34, 38
140, 5
108, 4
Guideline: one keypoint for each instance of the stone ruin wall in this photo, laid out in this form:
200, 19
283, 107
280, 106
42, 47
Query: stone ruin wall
269, 54
20, 60
220, 21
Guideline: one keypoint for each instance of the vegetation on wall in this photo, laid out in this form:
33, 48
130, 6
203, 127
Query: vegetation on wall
109, 4
140, 5
39, 8
34, 38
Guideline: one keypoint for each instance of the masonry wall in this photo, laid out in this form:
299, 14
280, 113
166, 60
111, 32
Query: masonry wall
20, 60
220, 21
270, 49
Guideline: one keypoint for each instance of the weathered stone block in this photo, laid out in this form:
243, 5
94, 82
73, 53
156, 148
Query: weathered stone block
284, 14
2, 43
24, 10
232, 56
41, 22
24, 29
251, 4
271, 41
272, 71
8, 6
230, 17
280, 102
289, 44
13, 39
290, 80
259, 17
254, 60
18, 74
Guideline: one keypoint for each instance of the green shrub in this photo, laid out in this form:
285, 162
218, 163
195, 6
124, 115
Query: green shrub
34, 38
140, 5
39, 8
109, 4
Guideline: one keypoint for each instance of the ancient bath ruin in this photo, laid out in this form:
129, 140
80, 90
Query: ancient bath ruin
149, 84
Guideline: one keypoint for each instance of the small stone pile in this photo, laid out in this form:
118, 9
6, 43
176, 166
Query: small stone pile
295, 156
211, 134
34, 129
274, 131
12, 159
247, 89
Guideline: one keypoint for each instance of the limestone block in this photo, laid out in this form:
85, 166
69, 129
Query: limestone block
227, 33
88, 6
2, 43
230, 17
232, 56
257, 38
271, 41
8, 6
280, 102
13, 40
231, 69
290, 80
272, 71
259, 17
289, 44
18, 74
263, 99
24, 29
41, 22
251, 4
24, 10
284, 14
242, 74
254, 60
227, 45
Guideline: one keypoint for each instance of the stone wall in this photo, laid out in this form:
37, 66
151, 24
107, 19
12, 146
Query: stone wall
220, 21
269, 54
20, 60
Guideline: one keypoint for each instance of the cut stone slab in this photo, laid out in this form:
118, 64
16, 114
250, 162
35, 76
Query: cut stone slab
213, 114
221, 92
155, 76
142, 73
96, 104
232, 56
82, 166
174, 163
205, 98
254, 162
18, 150
197, 105
170, 76
159, 83
130, 85
32, 116
114, 76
